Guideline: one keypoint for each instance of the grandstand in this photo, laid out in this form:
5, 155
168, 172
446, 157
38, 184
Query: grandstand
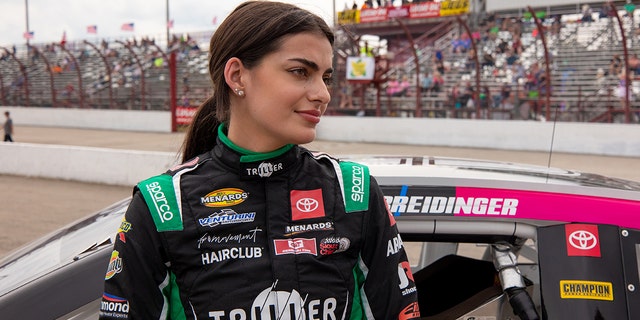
504, 80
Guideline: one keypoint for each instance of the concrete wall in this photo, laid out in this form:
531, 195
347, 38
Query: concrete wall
583, 138
97, 165
127, 167
128, 120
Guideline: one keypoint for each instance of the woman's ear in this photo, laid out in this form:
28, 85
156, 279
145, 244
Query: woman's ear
233, 70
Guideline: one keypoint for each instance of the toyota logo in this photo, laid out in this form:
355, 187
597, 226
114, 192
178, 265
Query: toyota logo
307, 204
583, 240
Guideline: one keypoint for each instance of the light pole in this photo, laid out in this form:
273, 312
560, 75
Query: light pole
26, 7
167, 24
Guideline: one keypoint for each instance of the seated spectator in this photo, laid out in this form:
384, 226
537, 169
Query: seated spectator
404, 86
426, 83
393, 87
488, 60
634, 64
438, 82
587, 13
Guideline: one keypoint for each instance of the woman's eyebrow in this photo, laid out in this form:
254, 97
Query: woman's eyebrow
311, 64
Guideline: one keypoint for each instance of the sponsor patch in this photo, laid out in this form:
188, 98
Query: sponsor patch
295, 246
591, 290
306, 204
115, 265
356, 186
160, 196
226, 216
302, 228
264, 169
123, 229
333, 245
231, 254
114, 306
582, 240
407, 284
249, 236
272, 304
411, 311
394, 245
225, 197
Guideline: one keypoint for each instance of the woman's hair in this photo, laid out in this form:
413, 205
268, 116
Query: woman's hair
252, 31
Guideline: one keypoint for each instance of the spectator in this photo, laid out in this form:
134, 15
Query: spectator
346, 95
601, 83
438, 82
8, 127
426, 83
615, 65
393, 87
634, 64
587, 13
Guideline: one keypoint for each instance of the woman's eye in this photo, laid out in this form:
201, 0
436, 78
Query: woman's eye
299, 72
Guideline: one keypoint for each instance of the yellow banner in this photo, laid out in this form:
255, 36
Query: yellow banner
581, 289
349, 17
454, 7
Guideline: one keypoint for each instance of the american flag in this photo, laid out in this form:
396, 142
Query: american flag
170, 24
127, 26
28, 35
92, 29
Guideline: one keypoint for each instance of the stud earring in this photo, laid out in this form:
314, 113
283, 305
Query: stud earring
239, 92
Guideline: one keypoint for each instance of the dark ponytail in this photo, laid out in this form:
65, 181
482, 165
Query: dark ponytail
203, 131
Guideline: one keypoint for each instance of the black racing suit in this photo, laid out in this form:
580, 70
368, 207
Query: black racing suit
259, 236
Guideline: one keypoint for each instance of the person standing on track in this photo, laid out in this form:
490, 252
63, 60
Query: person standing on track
252, 225
8, 127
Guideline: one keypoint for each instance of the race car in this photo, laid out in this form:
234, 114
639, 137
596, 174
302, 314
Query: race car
486, 240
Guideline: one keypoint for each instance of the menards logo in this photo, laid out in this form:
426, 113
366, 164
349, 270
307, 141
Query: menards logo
225, 197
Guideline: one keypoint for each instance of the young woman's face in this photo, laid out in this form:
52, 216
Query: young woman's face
285, 95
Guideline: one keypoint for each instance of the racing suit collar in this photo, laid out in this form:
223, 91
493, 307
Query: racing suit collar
254, 165
248, 155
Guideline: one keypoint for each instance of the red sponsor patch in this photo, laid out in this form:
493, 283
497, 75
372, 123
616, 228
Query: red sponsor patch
582, 240
306, 204
411, 311
295, 246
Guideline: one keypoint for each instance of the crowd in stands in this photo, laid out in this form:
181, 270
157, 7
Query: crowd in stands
511, 73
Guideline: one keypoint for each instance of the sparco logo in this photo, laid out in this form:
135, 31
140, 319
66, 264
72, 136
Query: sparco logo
282, 305
224, 197
160, 201
583, 240
307, 205
357, 192
265, 169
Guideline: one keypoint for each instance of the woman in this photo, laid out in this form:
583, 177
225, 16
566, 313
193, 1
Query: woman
251, 225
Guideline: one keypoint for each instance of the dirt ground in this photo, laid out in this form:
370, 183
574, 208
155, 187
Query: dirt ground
33, 207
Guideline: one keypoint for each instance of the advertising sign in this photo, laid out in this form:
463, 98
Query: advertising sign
360, 68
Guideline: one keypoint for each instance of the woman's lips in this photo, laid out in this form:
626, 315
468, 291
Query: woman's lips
312, 116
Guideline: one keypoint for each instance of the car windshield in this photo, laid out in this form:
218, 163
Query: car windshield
60, 248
